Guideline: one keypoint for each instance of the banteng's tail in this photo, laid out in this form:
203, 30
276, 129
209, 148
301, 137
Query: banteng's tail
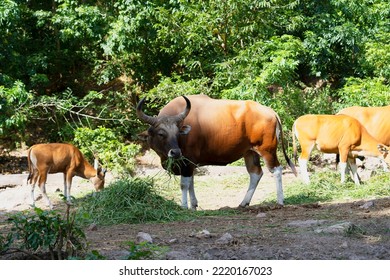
290, 163
295, 153
30, 169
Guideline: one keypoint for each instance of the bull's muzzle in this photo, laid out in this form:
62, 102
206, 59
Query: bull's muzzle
174, 153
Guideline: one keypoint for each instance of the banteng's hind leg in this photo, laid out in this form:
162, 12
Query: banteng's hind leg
252, 163
42, 186
353, 168
32, 180
272, 162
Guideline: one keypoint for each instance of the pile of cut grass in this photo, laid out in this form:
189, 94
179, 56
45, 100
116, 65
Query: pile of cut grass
131, 200
325, 186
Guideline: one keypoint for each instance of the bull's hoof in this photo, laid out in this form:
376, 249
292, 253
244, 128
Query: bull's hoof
193, 208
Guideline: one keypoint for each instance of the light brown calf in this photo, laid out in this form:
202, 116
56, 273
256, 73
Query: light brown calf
58, 157
335, 134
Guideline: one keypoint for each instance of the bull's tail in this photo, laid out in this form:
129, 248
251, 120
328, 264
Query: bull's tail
30, 168
295, 152
282, 140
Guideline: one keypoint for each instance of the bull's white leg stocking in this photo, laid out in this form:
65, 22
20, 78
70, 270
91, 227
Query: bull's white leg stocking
254, 180
184, 185
303, 170
354, 174
279, 187
43, 189
194, 201
343, 168
32, 194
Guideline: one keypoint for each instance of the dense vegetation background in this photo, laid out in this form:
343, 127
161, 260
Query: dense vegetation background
72, 70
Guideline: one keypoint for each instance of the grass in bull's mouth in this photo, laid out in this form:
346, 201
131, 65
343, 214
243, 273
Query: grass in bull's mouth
175, 164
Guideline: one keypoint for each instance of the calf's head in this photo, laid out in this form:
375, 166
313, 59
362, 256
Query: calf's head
98, 179
163, 133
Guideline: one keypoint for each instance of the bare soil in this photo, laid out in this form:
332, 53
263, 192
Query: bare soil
343, 230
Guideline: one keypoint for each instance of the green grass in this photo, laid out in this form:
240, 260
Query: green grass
143, 200
325, 186
132, 201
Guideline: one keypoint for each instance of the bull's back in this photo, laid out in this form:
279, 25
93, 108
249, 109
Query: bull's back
223, 129
376, 120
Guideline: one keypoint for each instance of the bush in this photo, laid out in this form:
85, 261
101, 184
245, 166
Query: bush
364, 92
45, 231
104, 144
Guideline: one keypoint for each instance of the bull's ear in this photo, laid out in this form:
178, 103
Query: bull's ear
185, 129
143, 136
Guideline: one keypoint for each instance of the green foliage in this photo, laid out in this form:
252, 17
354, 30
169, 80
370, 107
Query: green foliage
144, 251
61, 53
172, 87
43, 231
266, 63
108, 147
292, 103
378, 57
14, 113
365, 92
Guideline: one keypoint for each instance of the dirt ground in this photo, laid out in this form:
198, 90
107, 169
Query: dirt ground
345, 230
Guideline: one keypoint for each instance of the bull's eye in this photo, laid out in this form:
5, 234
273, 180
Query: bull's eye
161, 134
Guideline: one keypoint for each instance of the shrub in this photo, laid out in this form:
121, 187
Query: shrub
109, 148
45, 231
364, 92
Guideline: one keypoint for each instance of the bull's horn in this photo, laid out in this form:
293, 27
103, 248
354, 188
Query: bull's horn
142, 116
180, 117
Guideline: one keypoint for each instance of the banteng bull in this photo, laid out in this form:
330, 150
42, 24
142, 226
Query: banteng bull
58, 157
206, 131
339, 134
375, 119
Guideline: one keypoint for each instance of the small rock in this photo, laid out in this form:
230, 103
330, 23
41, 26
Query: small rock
261, 215
203, 234
306, 223
92, 227
144, 237
171, 241
178, 255
335, 229
225, 239
367, 205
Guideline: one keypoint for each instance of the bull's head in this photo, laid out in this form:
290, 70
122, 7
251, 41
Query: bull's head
163, 133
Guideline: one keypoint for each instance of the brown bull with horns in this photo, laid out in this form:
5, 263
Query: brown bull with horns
206, 131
